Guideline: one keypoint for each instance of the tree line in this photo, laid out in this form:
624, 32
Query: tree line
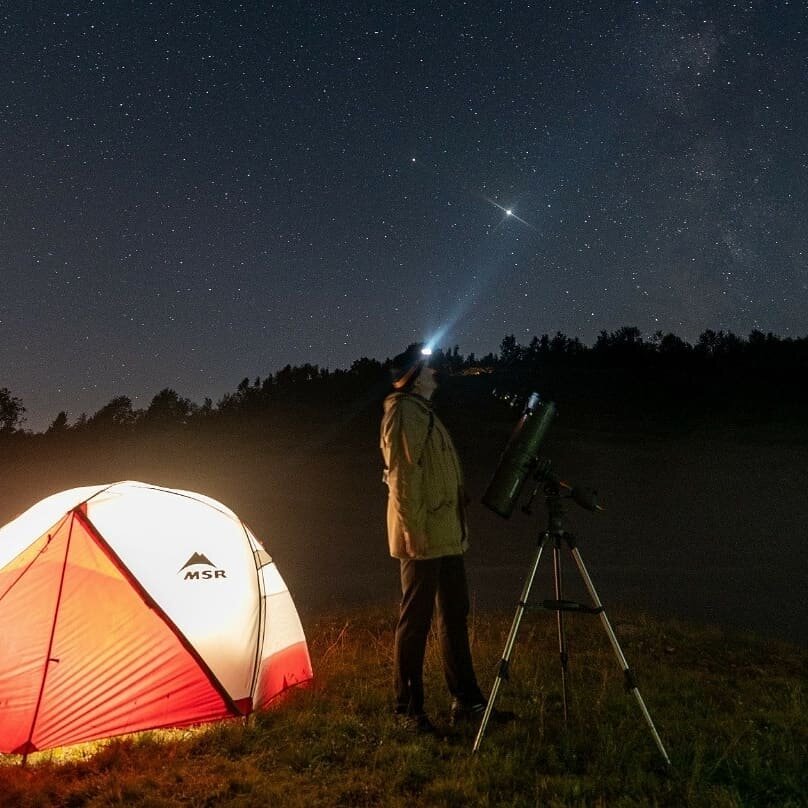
716, 354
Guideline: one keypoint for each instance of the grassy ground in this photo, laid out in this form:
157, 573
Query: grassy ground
730, 709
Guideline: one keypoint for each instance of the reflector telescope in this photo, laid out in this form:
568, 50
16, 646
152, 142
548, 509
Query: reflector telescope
520, 457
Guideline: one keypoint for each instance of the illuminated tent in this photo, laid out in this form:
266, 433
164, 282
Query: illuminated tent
128, 607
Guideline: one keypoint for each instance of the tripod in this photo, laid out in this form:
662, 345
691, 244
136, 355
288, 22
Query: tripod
555, 532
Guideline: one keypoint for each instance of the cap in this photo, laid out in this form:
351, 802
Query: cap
406, 366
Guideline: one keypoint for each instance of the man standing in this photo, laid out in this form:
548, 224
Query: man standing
426, 528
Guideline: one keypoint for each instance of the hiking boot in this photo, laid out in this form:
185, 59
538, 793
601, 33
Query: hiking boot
461, 713
418, 723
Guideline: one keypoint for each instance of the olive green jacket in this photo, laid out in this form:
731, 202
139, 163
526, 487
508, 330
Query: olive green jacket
425, 506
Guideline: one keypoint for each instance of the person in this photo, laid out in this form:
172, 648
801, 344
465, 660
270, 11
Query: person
427, 532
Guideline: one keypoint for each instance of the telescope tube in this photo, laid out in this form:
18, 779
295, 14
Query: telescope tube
520, 456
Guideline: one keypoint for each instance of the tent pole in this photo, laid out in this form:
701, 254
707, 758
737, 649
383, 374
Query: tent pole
262, 616
48, 658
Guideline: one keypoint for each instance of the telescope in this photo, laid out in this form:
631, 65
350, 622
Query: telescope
521, 460
520, 457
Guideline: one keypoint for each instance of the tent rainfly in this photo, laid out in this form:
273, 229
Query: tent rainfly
128, 607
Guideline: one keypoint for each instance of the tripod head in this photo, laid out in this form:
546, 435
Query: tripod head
556, 488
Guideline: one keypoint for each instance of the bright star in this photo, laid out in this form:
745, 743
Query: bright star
509, 213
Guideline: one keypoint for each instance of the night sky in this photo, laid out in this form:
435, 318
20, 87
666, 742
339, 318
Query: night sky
195, 193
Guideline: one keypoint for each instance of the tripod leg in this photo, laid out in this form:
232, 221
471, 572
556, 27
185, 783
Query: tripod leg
618, 652
562, 636
502, 672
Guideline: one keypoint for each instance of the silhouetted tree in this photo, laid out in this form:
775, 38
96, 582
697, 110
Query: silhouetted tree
628, 336
510, 351
708, 342
11, 411
117, 413
292, 376
168, 407
364, 368
59, 424
561, 344
248, 398
671, 345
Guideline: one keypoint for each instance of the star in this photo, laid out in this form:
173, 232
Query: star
509, 213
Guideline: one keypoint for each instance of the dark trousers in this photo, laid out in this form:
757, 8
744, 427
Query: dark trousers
425, 584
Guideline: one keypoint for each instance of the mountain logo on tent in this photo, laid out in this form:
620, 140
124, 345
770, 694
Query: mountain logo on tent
198, 559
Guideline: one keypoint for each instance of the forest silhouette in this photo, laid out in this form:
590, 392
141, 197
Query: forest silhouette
661, 379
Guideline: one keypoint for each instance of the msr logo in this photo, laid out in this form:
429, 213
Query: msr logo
197, 560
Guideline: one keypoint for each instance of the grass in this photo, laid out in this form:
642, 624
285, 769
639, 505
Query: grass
731, 711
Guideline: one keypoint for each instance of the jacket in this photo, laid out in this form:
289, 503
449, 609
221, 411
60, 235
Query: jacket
425, 505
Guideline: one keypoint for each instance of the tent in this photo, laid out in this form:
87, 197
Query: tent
129, 606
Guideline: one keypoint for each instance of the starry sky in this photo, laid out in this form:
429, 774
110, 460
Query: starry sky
193, 193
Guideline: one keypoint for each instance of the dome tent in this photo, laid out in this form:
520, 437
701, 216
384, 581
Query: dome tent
129, 606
